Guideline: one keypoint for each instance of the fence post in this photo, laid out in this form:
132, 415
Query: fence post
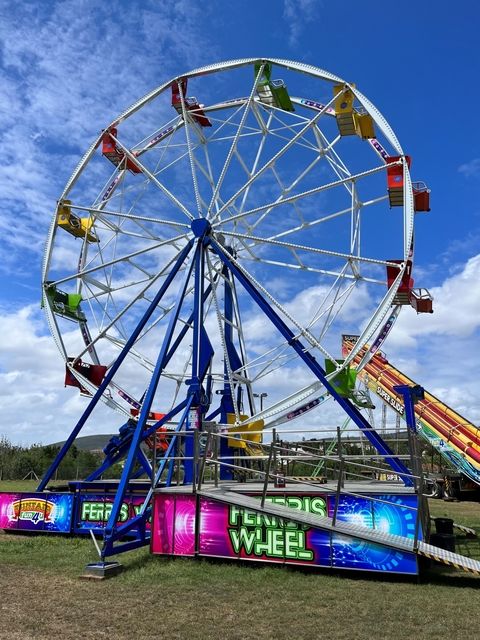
196, 451
337, 494
215, 456
420, 510
340, 456
204, 461
267, 473
154, 460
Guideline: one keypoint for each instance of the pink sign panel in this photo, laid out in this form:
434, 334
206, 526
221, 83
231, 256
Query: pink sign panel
48, 512
230, 531
174, 528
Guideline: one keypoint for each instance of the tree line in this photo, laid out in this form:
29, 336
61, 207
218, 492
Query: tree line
17, 462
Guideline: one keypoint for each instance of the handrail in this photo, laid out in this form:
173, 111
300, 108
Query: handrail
267, 475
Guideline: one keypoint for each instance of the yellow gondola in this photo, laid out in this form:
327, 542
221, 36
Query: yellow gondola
78, 227
343, 106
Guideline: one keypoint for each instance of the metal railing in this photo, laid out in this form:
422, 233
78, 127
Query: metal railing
207, 461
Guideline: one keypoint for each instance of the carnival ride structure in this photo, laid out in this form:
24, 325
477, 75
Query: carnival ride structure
454, 437
201, 253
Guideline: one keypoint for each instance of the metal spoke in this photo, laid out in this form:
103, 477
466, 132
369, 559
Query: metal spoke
131, 216
234, 144
117, 260
319, 189
272, 160
300, 247
153, 179
307, 262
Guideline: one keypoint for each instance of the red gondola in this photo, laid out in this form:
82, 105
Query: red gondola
421, 196
421, 300
95, 373
395, 180
114, 154
195, 109
403, 292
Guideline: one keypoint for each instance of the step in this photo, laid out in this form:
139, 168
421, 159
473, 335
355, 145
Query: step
449, 558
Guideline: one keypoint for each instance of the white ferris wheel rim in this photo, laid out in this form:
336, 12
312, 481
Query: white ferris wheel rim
386, 304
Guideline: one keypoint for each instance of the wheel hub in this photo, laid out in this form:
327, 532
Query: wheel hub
200, 227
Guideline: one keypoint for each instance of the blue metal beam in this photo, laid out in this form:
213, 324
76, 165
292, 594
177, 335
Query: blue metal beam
140, 519
110, 461
183, 332
144, 462
411, 395
147, 403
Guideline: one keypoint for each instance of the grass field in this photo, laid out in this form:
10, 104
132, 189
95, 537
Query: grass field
18, 485
42, 597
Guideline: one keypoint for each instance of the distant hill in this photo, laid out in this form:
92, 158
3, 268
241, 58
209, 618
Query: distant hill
89, 443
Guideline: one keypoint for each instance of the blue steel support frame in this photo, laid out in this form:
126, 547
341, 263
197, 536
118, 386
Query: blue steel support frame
349, 408
110, 461
195, 400
139, 522
195, 383
226, 405
201, 357
411, 395
146, 406
116, 365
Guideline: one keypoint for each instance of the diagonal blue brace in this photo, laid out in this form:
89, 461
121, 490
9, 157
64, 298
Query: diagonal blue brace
147, 404
350, 409
140, 520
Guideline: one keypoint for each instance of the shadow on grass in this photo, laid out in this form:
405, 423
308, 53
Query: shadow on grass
435, 576
324, 572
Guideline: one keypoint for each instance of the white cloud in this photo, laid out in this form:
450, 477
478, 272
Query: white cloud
470, 169
456, 310
67, 70
64, 78
439, 350
34, 405
297, 14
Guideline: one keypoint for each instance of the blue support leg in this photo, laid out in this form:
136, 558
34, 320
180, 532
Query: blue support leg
140, 520
411, 395
146, 406
227, 403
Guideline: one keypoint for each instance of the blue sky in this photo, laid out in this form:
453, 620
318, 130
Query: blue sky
68, 68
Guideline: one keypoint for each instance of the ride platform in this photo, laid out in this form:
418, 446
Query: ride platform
376, 526
76, 507
369, 526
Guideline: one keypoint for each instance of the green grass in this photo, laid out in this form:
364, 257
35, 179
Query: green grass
18, 485
164, 598
465, 512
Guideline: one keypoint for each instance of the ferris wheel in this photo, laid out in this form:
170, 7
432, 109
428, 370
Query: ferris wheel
210, 236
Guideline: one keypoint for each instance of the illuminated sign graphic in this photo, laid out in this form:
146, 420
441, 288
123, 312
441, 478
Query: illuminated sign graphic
183, 527
100, 511
93, 510
38, 512
32, 510
264, 535
393, 402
